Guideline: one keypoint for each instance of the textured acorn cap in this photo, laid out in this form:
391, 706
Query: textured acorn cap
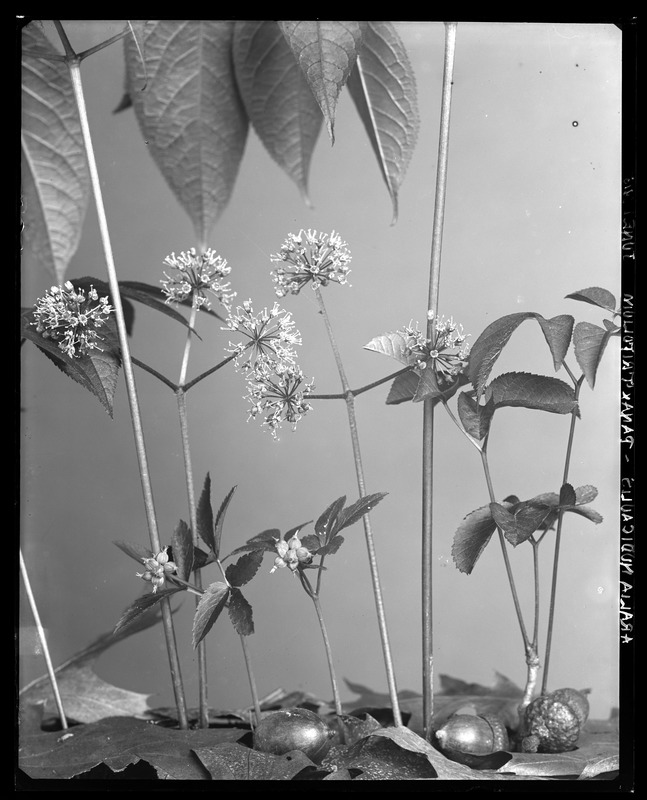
555, 723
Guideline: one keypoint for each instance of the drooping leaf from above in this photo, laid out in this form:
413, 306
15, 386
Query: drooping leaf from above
383, 88
596, 296
471, 538
141, 605
475, 417
487, 348
326, 51
526, 390
208, 610
190, 113
590, 342
204, 514
245, 568
240, 613
55, 179
277, 98
97, 371
182, 546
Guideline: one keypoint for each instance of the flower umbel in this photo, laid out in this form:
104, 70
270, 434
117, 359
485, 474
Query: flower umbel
270, 335
291, 554
310, 257
157, 569
446, 351
195, 276
71, 319
278, 391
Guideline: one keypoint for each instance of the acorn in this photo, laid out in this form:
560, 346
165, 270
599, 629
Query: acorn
472, 735
293, 729
553, 722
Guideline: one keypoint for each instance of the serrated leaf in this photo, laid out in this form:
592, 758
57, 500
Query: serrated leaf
97, 370
474, 417
403, 388
205, 515
596, 296
487, 348
567, 496
240, 613
245, 568
585, 494
326, 51
55, 179
220, 521
141, 605
325, 525
383, 88
431, 388
329, 549
208, 610
182, 544
526, 390
277, 98
190, 114
589, 342
263, 541
519, 524
350, 515
472, 537
136, 551
395, 345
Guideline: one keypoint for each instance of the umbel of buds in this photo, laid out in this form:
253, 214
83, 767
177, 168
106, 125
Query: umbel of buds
157, 569
291, 554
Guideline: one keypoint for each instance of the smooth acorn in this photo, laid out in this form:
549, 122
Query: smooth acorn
293, 729
469, 734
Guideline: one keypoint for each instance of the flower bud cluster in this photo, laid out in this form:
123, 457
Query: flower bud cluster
310, 257
195, 275
446, 351
157, 569
65, 315
291, 554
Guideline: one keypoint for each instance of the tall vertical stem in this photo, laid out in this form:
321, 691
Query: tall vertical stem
252, 679
43, 642
428, 409
167, 621
368, 533
193, 517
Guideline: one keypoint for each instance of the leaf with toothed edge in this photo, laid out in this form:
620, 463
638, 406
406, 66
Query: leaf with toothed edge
209, 608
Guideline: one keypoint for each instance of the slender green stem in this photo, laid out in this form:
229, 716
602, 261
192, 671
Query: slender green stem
428, 405
95, 49
252, 680
535, 571
43, 643
368, 533
558, 533
452, 416
189, 586
203, 702
362, 389
219, 365
167, 620
504, 550
324, 634
155, 373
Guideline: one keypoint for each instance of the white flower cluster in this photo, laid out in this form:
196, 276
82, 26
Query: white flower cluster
310, 257
194, 276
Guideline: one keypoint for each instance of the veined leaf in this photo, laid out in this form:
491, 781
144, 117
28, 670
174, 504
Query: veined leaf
220, 521
208, 610
350, 515
520, 522
325, 526
596, 296
190, 113
205, 515
567, 496
331, 548
590, 341
326, 51
403, 388
55, 178
393, 344
136, 27
472, 537
430, 388
487, 348
153, 297
141, 605
277, 98
526, 390
240, 613
475, 418
182, 546
383, 88
97, 370
263, 541
136, 551
245, 568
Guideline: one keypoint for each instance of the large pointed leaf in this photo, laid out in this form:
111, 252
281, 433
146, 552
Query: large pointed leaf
325, 525
526, 390
596, 296
141, 605
475, 418
277, 98
220, 521
153, 297
240, 613
55, 179
383, 89
590, 341
472, 537
190, 113
205, 515
350, 515
208, 610
97, 370
245, 568
326, 51
403, 388
487, 348
263, 541
182, 546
